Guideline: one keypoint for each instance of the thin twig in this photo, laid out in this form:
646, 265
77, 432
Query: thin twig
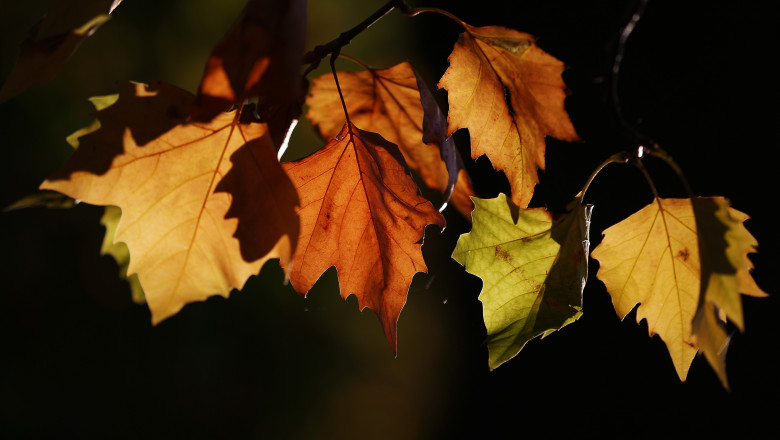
314, 56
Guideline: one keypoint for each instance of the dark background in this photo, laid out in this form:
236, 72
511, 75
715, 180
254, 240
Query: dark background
80, 360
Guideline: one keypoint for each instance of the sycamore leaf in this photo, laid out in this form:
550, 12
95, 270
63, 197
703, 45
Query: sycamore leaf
724, 244
390, 102
509, 94
203, 205
533, 266
653, 258
259, 57
52, 41
361, 212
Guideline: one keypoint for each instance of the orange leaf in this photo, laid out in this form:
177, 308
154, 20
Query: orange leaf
388, 102
53, 40
509, 94
259, 57
203, 205
361, 212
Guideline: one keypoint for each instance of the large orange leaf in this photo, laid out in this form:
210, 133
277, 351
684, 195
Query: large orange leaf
389, 102
509, 94
203, 205
259, 57
53, 40
653, 258
361, 212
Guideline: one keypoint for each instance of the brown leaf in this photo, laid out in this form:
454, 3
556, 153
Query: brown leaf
203, 205
509, 94
259, 57
389, 102
53, 40
361, 212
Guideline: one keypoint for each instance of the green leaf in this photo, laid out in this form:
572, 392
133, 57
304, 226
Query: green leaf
120, 252
533, 265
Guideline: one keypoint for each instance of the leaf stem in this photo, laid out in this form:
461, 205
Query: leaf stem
415, 11
625, 33
333, 57
314, 56
621, 157
657, 151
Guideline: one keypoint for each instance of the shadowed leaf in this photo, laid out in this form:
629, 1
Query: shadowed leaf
724, 245
361, 212
53, 40
389, 102
190, 211
509, 94
259, 57
533, 266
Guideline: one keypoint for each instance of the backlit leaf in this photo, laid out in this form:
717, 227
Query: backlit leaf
389, 102
509, 94
203, 205
533, 266
653, 258
360, 211
52, 41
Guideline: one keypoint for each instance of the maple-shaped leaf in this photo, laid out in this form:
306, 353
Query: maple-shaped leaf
652, 258
724, 245
533, 266
362, 212
509, 94
52, 41
204, 205
259, 57
391, 102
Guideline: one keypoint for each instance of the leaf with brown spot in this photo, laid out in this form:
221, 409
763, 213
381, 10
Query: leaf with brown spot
510, 95
533, 267
654, 258
260, 57
390, 102
53, 40
204, 205
361, 212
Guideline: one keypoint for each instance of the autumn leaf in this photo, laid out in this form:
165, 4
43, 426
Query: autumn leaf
653, 258
390, 102
360, 211
259, 57
203, 205
533, 266
724, 245
509, 94
53, 40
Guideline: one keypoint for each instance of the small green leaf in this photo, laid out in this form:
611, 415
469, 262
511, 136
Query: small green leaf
120, 252
533, 265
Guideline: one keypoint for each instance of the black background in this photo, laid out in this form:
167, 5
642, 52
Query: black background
80, 360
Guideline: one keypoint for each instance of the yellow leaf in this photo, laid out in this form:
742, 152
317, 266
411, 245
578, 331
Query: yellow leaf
656, 258
203, 205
